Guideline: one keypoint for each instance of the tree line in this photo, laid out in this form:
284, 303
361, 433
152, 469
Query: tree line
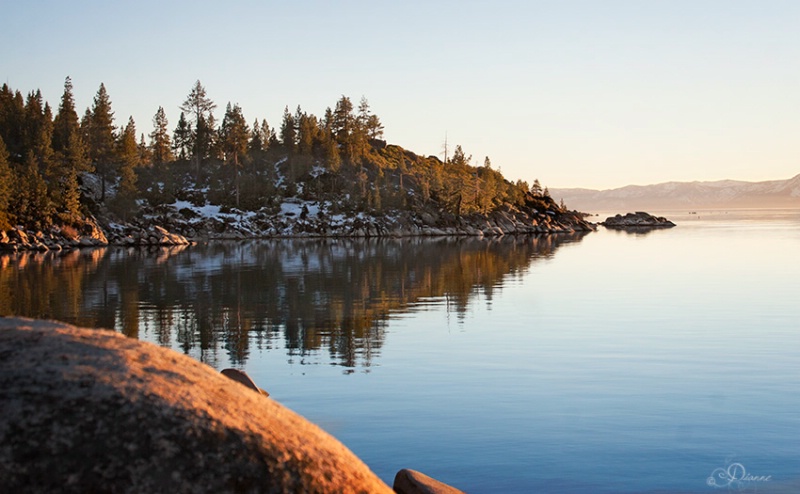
46, 161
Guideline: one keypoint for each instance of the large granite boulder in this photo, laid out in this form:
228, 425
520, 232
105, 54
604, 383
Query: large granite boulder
86, 410
637, 220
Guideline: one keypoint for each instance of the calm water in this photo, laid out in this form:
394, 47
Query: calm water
610, 362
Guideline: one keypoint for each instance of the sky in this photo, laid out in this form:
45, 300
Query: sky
595, 94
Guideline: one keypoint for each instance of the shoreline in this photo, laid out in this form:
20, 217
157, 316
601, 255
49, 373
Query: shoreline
171, 228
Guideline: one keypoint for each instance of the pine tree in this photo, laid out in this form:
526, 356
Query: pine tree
74, 163
459, 158
307, 134
31, 203
66, 122
6, 188
34, 123
344, 128
288, 131
182, 138
101, 139
203, 141
235, 136
145, 155
268, 135
257, 142
200, 106
124, 202
370, 122
160, 145
70, 155
536, 188
12, 117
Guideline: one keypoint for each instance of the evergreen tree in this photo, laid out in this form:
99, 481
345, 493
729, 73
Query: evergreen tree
369, 122
160, 145
70, 155
307, 134
74, 162
288, 131
344, 128
66, 122
101, 140
257, 143
6, 189
31, 203
200, 107
374, 127
12, 117
198, 104
459, 158
203, 141
235, 136
35, 126
145, 155
124, 202
182, 138
270, 139
536, 188
329, 145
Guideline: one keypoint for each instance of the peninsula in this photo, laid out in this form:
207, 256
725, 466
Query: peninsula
67, 182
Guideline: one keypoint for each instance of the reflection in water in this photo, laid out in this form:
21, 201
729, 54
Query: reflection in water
315, 294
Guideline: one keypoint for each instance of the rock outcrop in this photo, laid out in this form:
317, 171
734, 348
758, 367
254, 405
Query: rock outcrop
297, 218
93, 411
412, 482
637, 220
91, 235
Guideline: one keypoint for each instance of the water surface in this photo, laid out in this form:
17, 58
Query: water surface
610, 362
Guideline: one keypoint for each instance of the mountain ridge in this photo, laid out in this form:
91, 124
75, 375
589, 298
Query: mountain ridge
727, 194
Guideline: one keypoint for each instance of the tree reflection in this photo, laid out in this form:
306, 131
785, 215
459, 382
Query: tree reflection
333, 295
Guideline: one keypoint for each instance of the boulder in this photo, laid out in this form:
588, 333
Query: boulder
638, 219
412, 482
242, 378
85, 410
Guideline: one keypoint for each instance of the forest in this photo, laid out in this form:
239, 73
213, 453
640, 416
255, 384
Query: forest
342, 157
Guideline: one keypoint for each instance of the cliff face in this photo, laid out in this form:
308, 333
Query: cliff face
93, 411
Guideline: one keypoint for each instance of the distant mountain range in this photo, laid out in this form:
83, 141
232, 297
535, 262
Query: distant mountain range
723, 194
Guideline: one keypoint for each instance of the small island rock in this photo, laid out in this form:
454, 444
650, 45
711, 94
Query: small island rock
638, 219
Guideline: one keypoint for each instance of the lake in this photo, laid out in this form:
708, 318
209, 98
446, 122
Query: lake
607, 362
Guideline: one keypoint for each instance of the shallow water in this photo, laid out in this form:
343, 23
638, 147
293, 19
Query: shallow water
610, 362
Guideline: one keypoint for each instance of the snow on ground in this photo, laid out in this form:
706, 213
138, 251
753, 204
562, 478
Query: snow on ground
213, 211
293, 207
318, 170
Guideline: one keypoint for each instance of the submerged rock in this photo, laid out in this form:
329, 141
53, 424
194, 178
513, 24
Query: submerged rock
638, 219
85, 410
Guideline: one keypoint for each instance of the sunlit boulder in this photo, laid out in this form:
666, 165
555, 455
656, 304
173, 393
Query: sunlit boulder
86, 410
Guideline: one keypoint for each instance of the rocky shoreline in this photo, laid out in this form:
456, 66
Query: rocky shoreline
183, 224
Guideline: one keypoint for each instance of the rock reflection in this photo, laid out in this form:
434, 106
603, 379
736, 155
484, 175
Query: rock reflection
305, 295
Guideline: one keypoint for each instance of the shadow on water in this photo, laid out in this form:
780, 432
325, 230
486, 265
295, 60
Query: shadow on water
308, 295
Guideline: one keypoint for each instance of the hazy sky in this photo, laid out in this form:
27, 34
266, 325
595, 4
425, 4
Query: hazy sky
595, 94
